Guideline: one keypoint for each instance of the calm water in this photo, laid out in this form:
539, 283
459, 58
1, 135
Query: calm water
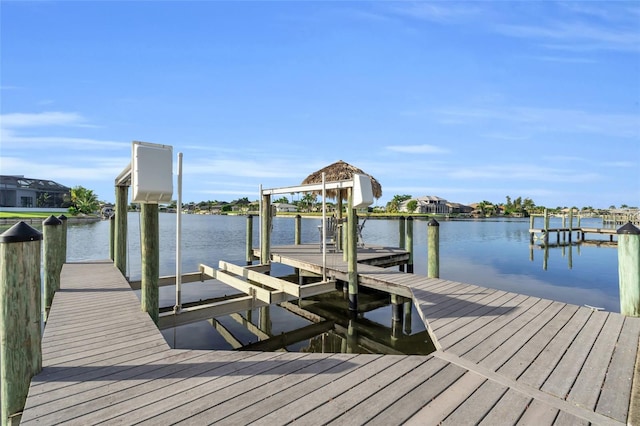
491, 253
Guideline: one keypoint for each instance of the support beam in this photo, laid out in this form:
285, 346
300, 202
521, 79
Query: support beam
150, 251
120, 241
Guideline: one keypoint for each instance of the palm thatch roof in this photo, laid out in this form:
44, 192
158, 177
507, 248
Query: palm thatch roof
341, 171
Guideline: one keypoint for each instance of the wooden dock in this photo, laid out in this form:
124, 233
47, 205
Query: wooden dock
503, 358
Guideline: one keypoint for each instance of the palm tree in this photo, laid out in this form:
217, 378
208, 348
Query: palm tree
83, 200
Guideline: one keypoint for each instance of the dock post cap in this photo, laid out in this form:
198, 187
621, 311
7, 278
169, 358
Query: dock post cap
409, 218
628, 229
433, 222
52, 221
20, 233
62, 217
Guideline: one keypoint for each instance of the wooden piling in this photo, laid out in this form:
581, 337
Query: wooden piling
352, 254
629, 269
150, 250
112, 235
63, 247
20, 317
409, 243
407, 316
297, 238
51, 246
401, 237
564, 225
570, 224
249, 247
120, 240
546, 227
339, 230
433, 249
531, 223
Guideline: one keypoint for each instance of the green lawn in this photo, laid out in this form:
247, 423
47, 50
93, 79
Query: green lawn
27, 215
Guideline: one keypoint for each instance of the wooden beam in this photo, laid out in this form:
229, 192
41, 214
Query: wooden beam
168, 280
259, 293
206, 312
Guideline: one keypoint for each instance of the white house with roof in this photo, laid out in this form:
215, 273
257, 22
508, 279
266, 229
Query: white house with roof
430, 204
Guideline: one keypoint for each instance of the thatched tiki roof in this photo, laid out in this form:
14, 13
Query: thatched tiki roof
341, 171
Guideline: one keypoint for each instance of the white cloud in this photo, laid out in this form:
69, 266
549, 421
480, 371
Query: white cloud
11, 140
53, 118
418, 149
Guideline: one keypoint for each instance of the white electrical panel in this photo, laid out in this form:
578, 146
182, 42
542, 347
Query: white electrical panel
151, 173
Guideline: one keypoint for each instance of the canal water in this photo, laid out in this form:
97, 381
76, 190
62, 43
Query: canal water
494, 253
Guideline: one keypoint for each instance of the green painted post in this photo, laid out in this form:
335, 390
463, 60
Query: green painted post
401, 237
112, 235
249, 248
298, 230
20, 317
409, 244
120, 252
150, 250
63, 249
629, 269
51, 246
352, 254
433, 249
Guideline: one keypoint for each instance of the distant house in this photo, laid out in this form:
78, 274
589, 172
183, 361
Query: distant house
19, 191
429, 204
284, 207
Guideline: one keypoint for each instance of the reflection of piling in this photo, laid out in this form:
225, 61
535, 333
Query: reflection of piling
545, 259
150, 251
570, 257
433, 249
401, 237
407, 316
629, 269
249, 245
409, 244
52, 243
264, 320
20, 317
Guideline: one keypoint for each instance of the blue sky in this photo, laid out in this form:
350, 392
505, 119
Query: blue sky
468, 101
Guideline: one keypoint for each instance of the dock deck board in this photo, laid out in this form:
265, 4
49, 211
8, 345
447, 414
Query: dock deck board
504, 359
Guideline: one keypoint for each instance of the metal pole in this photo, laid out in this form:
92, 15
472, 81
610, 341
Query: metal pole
352, 262
178, 305
324, 229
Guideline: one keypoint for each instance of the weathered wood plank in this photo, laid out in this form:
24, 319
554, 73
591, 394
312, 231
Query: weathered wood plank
507, 410
564, 375
478, 405
584, 391
314, 396
410, 403
616, 390
439, 408
538, 413
536, 373
382, 382
514, 367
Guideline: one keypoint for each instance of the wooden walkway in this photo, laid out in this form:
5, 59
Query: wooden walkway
505, 359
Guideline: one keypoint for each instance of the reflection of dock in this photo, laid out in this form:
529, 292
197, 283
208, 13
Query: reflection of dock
503, 358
